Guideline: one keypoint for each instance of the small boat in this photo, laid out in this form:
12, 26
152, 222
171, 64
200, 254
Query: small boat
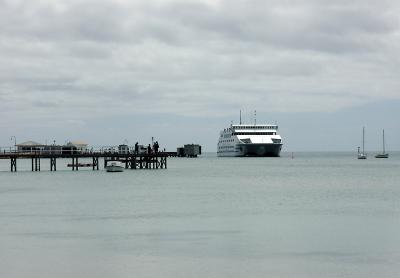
362, 155
383, 154
114, 166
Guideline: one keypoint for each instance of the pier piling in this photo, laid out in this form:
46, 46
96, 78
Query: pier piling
53, 164
95, 163
13, 164
35, 163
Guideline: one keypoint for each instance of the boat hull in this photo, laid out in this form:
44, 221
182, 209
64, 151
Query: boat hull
113, 168
268, 150
382, 155
254, 150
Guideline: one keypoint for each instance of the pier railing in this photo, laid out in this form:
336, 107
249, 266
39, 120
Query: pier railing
68, 153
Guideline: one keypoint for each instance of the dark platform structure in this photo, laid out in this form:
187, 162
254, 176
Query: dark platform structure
189, 150
131, 160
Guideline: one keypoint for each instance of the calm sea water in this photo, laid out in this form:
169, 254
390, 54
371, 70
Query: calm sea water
317, 215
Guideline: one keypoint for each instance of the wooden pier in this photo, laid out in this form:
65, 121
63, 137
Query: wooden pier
131, 160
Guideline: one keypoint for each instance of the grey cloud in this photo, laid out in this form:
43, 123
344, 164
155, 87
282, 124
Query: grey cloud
330, 28
315, 27
77, 21
45, 103
343, 21
185, 58
88, 50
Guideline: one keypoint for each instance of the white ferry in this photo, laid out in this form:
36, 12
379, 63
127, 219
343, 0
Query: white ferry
250, 140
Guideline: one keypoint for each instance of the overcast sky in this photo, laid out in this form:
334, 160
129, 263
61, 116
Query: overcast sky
106, 71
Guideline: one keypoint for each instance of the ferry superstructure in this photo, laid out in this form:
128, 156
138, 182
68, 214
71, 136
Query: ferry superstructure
250, 140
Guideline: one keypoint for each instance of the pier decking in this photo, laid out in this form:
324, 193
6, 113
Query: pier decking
131, 160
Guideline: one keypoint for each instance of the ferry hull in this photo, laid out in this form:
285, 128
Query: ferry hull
260, 150
269, 150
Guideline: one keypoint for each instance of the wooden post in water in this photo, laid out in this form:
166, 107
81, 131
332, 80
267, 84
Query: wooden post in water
53, 164
133, 162
37, 164
13, 164
74, 164
95, 163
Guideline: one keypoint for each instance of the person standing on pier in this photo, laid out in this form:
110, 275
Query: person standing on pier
156, 146
149, 149
136, 147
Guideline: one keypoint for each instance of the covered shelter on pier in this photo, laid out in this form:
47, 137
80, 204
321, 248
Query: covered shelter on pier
30, 146
80, 146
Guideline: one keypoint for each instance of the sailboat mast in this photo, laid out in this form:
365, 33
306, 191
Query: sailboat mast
363, 139
383, 141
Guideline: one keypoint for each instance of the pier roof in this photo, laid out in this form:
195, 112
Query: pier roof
30, 144
77, 143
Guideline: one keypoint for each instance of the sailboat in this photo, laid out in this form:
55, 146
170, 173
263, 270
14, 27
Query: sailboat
362, 155
383, 154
